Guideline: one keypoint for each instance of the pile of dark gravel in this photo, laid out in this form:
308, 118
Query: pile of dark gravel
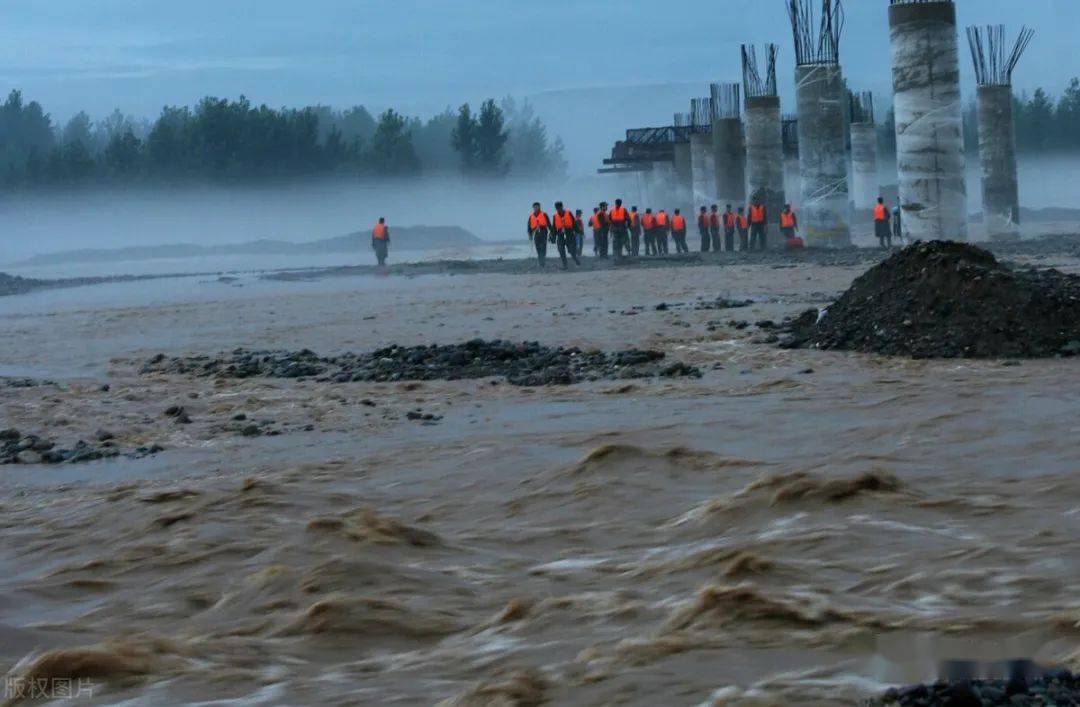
1057, 689
19, 448
525, 364
949, 300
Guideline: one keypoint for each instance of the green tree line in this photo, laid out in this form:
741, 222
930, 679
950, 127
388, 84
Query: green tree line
1043, 123
236, 140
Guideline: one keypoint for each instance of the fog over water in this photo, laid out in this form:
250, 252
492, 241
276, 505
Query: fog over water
35, 224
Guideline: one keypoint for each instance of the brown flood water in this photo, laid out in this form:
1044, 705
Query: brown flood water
793, 528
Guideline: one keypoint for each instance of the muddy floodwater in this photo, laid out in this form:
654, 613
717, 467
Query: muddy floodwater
794, 527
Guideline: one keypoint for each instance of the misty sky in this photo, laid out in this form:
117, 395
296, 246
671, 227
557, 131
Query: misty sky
422, 55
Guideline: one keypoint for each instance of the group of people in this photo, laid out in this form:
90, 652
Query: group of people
624, 232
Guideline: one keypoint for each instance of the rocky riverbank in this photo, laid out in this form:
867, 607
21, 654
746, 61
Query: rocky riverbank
522, 364
1057, 688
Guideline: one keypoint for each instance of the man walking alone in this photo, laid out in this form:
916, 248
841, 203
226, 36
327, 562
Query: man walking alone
380, 241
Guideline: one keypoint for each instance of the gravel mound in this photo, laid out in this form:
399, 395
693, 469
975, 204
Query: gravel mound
949, 300
525, 364
1058, 688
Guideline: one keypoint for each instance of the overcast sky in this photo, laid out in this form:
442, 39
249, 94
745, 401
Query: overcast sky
422, 55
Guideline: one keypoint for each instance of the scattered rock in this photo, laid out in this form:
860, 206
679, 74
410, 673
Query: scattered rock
32, 449
1058, 687
104, 435
251, 431
523, 364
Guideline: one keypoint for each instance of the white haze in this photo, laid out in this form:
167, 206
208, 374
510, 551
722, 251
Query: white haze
49, 222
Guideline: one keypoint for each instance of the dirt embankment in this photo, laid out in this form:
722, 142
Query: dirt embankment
949, 300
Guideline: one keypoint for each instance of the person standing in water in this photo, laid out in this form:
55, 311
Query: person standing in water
380, 241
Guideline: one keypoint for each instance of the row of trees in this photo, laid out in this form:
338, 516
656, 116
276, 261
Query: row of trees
224, 139
1043, 123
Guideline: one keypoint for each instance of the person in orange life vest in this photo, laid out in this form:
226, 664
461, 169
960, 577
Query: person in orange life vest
758, 224
714, 227
594, 224
881, 224
604, 219
703, 228
562, 223
743, 224
619, 218
635, 232
579, 233
789, 224
648, 226
662, 226
539, 227
380, 241
678, 232
729, 229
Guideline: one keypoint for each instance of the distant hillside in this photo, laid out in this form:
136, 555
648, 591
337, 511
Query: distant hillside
401, 237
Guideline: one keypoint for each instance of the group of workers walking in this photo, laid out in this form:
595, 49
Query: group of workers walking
624, 232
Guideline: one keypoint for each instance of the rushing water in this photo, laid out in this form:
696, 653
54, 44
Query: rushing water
804, 527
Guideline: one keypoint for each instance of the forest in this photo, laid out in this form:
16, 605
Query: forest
235, 140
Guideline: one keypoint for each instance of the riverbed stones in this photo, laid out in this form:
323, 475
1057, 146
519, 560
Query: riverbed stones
1055, 688
523, 364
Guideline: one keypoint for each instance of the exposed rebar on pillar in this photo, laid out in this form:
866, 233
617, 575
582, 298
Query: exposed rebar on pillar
865, 186
702, 157
821, 103
929, 127
764, 141
997, 141
729, 143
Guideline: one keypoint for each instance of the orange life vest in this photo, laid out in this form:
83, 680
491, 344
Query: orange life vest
787, 219
678, 223
729, 220
379, 232
617, 215
594, 221
634, 219
648, 222
538, 220
881, 213
703, 221
742, 222
661, 220
757, 214
565, 220
714, 219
